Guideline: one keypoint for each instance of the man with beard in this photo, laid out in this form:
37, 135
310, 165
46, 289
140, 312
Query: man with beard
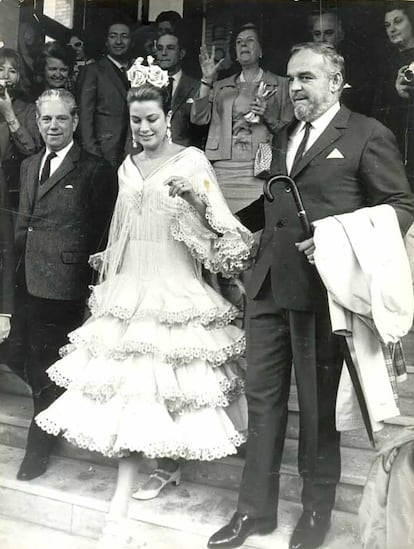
341, 161
103, 87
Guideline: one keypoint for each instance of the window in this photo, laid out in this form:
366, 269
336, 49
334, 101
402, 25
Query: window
59, 10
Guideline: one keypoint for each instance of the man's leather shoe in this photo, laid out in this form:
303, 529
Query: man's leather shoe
310, 530
32, 466
238, 529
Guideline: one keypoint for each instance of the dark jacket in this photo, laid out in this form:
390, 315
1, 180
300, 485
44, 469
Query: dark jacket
369, 173
183, 131
61, 223
6, 252
217, 109
103, 113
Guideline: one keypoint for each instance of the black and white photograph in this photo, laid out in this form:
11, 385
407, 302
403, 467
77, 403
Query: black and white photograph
206, 274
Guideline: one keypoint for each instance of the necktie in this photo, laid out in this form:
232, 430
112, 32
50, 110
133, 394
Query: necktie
302, 146
170, 86
46, 168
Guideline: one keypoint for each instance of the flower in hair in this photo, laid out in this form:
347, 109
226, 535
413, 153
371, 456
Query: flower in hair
139, 74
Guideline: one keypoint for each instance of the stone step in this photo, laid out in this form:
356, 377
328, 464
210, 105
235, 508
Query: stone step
20, 534
15, 414
73, 497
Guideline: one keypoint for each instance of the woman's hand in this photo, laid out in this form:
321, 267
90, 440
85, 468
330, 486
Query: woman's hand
308, 248
180, 186
258, 106
6, 107
209, 67
402, 86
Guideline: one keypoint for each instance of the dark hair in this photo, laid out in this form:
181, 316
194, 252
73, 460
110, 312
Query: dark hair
402, 6
171, 16
57, 51
177, 35
11, 55
148, 92
245, 27
118, 21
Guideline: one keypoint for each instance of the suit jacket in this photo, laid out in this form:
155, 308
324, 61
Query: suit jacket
217, 110
6, 252
62, 222
366, 171
103, 113
183, 132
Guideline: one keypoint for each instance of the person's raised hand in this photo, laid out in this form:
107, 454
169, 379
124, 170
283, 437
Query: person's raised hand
209, 67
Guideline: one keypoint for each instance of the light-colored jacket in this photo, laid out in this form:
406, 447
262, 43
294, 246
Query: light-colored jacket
216, 109
359, 257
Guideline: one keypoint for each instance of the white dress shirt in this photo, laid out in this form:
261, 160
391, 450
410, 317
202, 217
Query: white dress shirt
318, 126
57, 161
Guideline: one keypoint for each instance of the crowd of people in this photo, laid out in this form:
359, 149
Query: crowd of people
102, 168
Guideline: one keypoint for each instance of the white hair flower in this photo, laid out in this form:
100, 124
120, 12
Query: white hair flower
139, 74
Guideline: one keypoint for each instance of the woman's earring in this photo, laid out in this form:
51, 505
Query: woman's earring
134, 143
168, 132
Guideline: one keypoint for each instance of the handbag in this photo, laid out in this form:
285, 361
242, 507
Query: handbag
262, 160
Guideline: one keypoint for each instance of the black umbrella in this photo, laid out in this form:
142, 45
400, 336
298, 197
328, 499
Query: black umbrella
290, 186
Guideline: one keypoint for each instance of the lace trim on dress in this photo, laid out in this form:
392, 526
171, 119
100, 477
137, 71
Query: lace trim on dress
177, 357
151, 450
174, 400
212, 318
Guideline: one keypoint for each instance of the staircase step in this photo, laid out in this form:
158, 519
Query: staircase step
15, 414
20, 534
73, 496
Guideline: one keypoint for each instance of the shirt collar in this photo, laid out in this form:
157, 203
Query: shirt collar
322, 122
177, 75
62, 153
116, 63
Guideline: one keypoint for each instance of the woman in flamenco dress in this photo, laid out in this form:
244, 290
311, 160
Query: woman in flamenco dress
157, 370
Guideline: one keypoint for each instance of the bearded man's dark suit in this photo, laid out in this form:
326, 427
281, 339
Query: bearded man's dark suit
103, 112
59, 224
287, 313
183, 132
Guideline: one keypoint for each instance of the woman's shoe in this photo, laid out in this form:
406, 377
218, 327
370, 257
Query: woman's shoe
163, 477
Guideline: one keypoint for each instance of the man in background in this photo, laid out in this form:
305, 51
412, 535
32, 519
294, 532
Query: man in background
102, 92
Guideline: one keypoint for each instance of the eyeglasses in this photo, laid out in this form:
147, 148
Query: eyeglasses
77, 44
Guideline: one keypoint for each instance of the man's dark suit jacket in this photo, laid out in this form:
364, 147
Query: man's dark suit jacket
366, 171
6, 251
62, 222
183, 132
103, 120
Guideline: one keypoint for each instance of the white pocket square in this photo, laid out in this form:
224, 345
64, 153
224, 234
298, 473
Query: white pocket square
190, 100
335, 154
68, 186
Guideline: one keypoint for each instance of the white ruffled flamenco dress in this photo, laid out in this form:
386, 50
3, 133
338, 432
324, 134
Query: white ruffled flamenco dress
157, 368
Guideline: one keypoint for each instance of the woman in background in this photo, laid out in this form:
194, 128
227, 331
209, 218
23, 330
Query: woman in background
235, 136
19, 135
55, 67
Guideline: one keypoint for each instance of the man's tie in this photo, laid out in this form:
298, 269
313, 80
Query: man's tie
46, 168
170, 86
302, 146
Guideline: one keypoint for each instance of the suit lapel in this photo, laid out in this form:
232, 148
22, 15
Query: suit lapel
68, 164
33, 176
328, 136
280, 148
182, 93
116, 79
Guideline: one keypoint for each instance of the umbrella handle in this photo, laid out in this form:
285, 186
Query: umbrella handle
290, 187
